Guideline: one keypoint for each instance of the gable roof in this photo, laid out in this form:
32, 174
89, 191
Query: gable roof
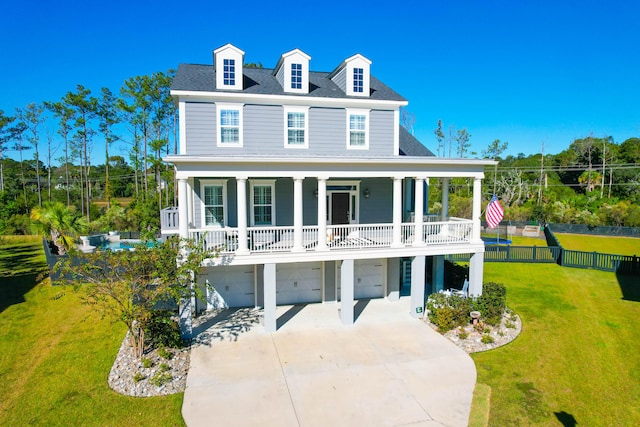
410, 146
202, 78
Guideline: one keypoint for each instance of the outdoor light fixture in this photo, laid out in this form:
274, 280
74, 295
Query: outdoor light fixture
366, 193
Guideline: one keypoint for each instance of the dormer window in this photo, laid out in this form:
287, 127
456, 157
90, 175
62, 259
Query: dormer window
296, 76
228, 65
353, 76
292, 72
229, 77
358, 80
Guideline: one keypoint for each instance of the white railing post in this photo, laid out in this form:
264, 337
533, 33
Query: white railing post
477, 197
183, 208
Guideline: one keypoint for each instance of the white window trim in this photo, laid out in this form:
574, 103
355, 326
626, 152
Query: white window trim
360, 112
227, 106
263, 183
287, 110
225, 205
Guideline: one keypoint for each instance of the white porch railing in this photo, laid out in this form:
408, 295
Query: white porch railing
339, 237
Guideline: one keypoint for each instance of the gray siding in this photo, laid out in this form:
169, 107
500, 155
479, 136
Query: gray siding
378, 208
340, 79
200, 122
284, 201
380, 133
264, 131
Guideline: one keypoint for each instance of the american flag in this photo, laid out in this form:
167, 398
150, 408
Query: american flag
494, 212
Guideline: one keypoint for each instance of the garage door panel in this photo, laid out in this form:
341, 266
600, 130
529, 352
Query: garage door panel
233, 286
298, 283
369, 278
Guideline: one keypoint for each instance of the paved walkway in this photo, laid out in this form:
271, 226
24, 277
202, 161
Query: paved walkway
386, 370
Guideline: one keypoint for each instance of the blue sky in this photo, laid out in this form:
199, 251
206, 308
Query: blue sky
522, 72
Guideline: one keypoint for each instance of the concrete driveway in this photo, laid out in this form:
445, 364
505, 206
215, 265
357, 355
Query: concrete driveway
387, 369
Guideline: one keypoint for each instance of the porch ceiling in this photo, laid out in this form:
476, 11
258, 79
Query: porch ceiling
344, 167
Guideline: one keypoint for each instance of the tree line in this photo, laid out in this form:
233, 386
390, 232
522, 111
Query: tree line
63, 136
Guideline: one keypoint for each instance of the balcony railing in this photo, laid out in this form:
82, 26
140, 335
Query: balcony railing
339, 237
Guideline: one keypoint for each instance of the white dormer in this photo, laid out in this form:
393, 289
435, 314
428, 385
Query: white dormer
228, 61
353, 76
292, 71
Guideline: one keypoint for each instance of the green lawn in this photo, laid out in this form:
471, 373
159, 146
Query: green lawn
603, 244
577, 355
57, 352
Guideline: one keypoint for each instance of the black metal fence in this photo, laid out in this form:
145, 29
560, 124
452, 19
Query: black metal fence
555, 253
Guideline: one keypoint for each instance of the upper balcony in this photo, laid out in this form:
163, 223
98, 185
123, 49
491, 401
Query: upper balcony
432, 236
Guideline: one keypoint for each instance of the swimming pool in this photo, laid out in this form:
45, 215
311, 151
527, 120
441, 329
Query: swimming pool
123, 245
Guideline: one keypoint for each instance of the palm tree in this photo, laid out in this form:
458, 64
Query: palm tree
60, 223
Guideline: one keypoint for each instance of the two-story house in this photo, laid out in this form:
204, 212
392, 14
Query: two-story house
309, 187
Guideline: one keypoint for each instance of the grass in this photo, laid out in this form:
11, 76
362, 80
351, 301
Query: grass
57, 353
576, 357
520, 240
603, 244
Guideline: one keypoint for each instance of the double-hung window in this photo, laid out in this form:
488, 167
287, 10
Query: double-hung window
229, 70
358, 129
296, 127
358, 80
213, 203
296, 76
263, 203
229, 128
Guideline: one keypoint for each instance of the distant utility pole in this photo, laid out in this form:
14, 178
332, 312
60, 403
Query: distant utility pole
604, 161
541, 174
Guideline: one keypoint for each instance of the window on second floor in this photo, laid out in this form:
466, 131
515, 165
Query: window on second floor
358, 129
229, 126
229, 70
358, 80
296, 76
296, 127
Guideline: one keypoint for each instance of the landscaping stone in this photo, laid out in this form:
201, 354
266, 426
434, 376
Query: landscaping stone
473, 342
126, 366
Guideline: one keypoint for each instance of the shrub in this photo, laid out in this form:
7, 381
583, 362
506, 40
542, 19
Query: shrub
146, 363
510, 324
443, 319
160, 378
161, 330
164, 353
487, 339
463, 334
163, 367
138, 377
492, 302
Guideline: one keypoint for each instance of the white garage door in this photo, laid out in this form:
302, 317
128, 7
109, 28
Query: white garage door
299, 283
233, 286
369, 278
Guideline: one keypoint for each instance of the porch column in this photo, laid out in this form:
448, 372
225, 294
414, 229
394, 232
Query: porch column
346, 292
477, 197
270, 320
445, 199
397, 213
417, 286
190, 186
297, 214
476, 271
322, 213
183, 208
419, 213
241, 183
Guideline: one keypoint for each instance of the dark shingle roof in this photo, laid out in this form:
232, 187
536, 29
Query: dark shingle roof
410, 146
194, 77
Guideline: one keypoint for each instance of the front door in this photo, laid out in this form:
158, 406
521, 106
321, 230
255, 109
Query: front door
340, 208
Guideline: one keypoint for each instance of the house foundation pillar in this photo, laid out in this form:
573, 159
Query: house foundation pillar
269, 277
346, 292
297, 215
476, 271
417, 286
